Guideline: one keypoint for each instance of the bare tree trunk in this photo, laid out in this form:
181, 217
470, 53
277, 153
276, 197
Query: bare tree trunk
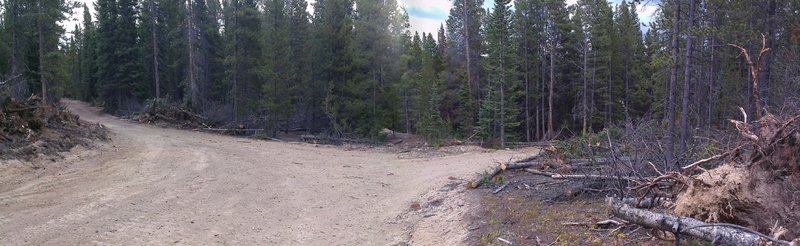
468, 53
626, 76
765, 73
502, 101
722, 235
711, 84
234, 79
156, 76
584, 101
14, 49
502, 114
542, 100
687, 76
194, 90
527, 94
40, 28
673, 77
550, 132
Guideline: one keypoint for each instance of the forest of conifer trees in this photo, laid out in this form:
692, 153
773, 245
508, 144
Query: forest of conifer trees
520, 71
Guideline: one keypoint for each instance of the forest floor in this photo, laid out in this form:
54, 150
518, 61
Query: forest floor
537, 210
151, 185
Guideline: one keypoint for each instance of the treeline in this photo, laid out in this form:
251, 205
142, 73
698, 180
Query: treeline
504, 74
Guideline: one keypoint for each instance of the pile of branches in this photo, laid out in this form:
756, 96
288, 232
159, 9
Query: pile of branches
173, 116
747, 195
29, 128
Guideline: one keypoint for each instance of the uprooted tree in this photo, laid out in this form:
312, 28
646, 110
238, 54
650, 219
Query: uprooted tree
754, 192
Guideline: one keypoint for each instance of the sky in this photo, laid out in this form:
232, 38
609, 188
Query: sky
427, 15
424, 15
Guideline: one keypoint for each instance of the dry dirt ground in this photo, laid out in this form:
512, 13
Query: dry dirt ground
163, 186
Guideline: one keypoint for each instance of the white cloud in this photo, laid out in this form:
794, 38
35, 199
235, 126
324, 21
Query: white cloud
441, 5
647, 12
424, 25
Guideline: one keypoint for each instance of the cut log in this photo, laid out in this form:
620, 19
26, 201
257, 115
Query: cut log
477, 183
724, 234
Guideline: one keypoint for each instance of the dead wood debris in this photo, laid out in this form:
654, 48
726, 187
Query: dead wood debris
29, 128
754, 192
737, 197
725, 234
173, 116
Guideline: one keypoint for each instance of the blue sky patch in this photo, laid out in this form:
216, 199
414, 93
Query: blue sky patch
435, 14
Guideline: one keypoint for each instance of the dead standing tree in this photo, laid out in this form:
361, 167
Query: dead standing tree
755, 69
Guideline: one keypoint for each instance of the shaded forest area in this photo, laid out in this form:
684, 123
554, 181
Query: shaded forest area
535, 71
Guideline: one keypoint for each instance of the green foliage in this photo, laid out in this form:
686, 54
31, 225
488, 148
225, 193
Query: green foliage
353, 67
499, 112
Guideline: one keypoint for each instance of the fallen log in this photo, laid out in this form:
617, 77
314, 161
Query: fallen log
647, 202
579, 176
724, 234
584, 162
502, 167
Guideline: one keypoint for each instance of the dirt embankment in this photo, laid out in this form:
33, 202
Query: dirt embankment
164, 186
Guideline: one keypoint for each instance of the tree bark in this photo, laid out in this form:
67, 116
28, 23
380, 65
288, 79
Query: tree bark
550, 132
584, 101
468, 54
527, 92
686, 226
156, 76
40, 28
687, 77
673, 77
194, 90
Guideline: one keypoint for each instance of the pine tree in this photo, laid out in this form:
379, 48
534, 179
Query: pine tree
300, 62
529, 29
374, 66
208, 70
464, 30
48, 14
243, 59
88, 56
334, 28
430, 123
127, 61
151, 34
278, 88
499, 114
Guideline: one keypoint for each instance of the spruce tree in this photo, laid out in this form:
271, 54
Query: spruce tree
88, 56
278, 88
300, 63
499, 114
465, 49
244, 56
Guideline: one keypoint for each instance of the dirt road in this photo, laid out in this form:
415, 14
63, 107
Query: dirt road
163, 186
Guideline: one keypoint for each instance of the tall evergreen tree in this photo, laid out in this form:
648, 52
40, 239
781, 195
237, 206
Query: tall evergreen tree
464, 30
243, 55
499, 114
334, 28
88, 55
300, 63
48, 14
278, 87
